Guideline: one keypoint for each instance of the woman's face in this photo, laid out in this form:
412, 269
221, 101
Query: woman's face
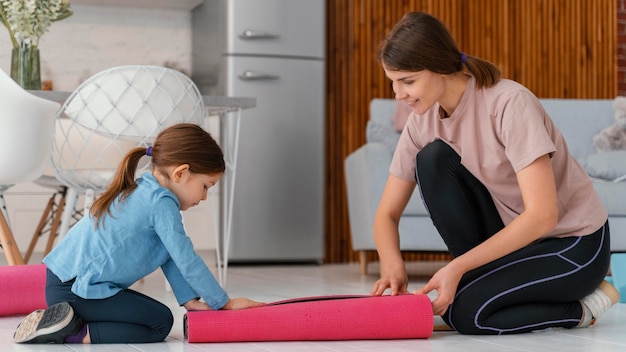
420, 90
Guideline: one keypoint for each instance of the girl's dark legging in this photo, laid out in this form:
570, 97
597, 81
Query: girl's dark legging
536, 287
126, 317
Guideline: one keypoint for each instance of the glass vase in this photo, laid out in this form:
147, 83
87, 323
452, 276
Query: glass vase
25, 68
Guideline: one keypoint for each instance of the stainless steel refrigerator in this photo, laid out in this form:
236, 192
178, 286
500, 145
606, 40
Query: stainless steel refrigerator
272, 50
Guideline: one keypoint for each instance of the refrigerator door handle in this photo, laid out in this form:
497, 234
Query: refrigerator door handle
257, 76
251, 34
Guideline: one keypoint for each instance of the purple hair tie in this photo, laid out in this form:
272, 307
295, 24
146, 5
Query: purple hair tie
149, 151
463, 58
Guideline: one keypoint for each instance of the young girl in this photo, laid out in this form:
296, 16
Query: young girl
527, 231
133, 228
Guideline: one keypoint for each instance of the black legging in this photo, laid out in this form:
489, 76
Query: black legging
536, 287
126, 317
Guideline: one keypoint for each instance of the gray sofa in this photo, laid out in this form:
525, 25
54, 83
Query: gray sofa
367, 168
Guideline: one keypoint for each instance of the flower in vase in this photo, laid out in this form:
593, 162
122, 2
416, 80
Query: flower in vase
28, 20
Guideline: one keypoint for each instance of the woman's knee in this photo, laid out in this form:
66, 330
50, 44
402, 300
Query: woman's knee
463, 324
435, 151
436, 155
466, 322
435, 160
466, 313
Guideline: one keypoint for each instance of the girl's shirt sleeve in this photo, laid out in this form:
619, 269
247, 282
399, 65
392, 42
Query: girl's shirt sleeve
185, 270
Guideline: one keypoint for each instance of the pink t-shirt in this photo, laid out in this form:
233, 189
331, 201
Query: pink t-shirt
498, 131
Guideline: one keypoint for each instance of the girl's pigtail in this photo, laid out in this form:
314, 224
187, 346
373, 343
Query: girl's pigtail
123, 184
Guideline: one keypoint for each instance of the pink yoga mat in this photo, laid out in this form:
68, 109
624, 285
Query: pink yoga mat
317, 318
22, 289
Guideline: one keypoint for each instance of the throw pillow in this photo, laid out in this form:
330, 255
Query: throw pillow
609, 165
614, 136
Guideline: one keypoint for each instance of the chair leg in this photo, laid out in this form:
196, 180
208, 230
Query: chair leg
52, 216
68, 211
11, 251
3, 206
42, 223
55, 224
90, 196
363, 262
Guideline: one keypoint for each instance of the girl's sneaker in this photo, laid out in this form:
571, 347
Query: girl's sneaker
51, 325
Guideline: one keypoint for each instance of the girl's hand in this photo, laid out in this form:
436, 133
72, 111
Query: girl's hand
195, 304
445, 282
241, 303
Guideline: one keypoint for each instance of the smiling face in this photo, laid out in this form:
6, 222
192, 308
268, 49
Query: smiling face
420, 90
191, 188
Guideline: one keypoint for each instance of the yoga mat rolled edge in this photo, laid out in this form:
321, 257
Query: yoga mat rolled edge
317, 319
22, 288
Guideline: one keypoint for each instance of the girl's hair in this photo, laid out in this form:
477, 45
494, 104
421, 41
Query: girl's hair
176, 145
421, 42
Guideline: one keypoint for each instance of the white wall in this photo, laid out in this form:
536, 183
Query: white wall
99, 37
91, 40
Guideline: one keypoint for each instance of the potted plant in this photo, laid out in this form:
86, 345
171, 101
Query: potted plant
27, 21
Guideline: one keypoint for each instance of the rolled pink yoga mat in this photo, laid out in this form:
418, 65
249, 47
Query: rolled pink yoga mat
317, 318
22, 289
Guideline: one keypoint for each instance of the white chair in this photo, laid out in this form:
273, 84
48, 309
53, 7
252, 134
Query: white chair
26, 132
109, 114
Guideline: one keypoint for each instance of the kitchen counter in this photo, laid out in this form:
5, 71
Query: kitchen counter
215, 104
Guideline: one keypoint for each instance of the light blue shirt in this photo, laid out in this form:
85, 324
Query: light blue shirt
142, 233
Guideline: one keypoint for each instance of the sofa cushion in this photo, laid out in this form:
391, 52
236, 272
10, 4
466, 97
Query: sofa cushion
612, 195
610, 165
579, 120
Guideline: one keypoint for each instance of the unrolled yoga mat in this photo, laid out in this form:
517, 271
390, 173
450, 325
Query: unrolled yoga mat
22, 289
316, 318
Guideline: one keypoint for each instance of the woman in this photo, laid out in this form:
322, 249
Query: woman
528, 234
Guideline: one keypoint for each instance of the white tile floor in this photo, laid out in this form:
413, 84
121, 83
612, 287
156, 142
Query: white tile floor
271, 283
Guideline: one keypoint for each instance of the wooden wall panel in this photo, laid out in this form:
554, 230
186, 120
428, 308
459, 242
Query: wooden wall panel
557, 48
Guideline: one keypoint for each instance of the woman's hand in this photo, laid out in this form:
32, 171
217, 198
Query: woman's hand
241, 303
393, 201
195, 304
445, 282
396, 280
